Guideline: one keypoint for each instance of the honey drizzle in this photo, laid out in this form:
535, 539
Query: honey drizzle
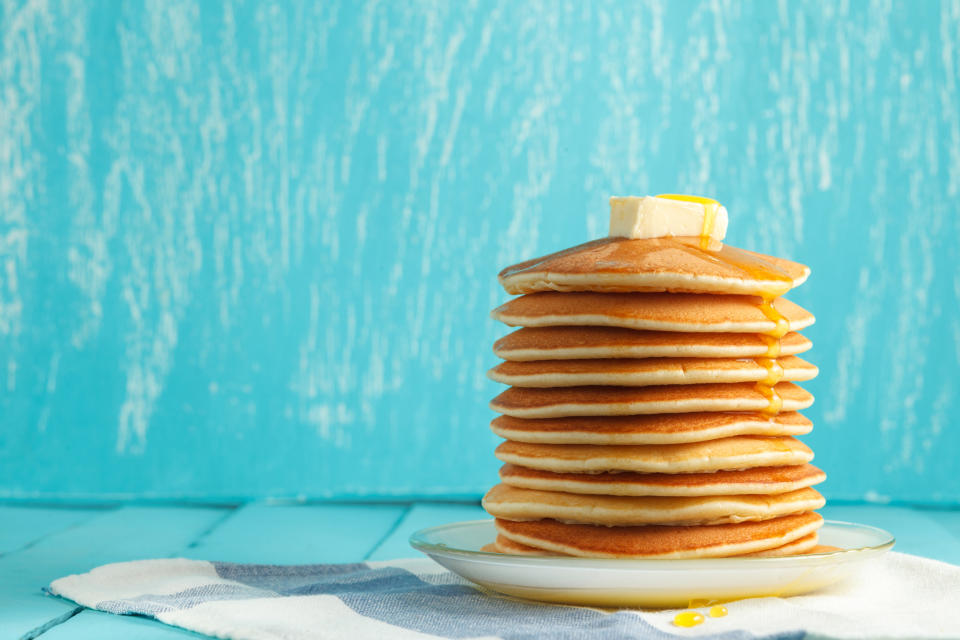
776, 283
709, 221
688, 619
773, 345
710, 208
780, 322
768, 386
718, 611
773, 339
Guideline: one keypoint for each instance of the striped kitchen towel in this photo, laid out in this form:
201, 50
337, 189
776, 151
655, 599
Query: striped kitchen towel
897, 596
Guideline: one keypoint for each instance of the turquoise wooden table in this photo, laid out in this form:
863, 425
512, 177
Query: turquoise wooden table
39, 543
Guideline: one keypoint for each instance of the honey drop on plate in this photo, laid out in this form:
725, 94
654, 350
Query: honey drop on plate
688, 619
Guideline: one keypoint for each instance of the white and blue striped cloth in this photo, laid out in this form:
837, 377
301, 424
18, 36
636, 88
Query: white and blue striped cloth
898, 596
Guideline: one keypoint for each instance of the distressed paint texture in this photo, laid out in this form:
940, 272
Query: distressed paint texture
248, 248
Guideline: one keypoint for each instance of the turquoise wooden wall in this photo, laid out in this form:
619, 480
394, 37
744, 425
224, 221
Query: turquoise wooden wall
248, 248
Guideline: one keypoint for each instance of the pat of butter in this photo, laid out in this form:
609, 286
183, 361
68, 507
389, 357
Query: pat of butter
666, 216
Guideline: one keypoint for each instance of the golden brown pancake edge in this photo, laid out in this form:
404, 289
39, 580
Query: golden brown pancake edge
572, 342
654, 541
663, 428
675, 264
751, 481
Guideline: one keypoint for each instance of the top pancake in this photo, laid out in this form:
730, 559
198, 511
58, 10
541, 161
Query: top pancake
686, 312
675, 264
583, 343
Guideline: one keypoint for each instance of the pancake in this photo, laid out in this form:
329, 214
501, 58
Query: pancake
825, 548
755, 481
574, 343
806, 544
506, 545
511, 503
676, 264
682, 312
737, 452
665, 428
645, 371
523, 402
711, 541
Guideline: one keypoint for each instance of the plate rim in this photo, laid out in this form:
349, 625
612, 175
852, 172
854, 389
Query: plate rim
417, 541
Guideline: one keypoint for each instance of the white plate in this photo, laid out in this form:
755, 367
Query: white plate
607, 582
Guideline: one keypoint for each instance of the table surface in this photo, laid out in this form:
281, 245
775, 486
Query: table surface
41, 543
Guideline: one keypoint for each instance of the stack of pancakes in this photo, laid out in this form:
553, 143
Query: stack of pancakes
652, 408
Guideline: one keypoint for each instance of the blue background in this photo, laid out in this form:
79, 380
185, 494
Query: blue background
248, 249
